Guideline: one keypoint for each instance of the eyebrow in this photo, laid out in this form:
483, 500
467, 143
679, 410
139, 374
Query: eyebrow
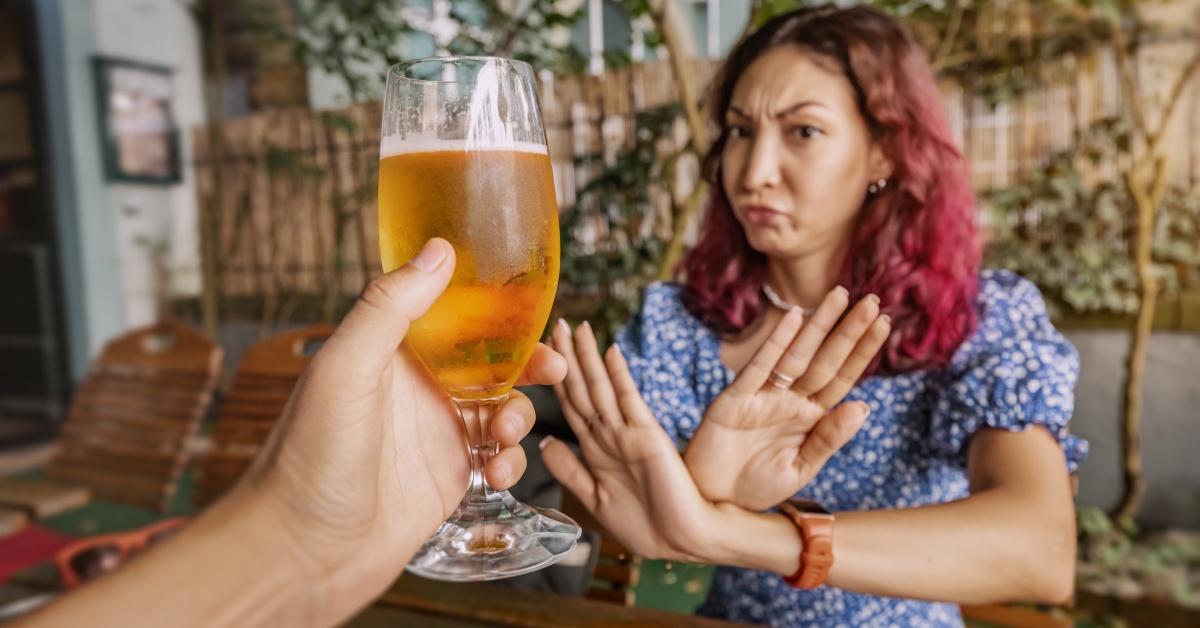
782, 114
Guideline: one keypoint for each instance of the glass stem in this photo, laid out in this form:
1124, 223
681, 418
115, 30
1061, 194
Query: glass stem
481, 501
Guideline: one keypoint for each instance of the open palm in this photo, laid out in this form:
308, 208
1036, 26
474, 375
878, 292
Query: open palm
635, 482
762, 440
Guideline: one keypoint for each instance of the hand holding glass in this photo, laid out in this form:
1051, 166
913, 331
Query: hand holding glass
463, 157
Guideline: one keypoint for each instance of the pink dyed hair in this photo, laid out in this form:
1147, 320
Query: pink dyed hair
915, 244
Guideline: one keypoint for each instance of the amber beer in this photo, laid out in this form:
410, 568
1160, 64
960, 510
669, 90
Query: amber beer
480, 333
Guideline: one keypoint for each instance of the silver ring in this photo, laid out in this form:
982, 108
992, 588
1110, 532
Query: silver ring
781, 381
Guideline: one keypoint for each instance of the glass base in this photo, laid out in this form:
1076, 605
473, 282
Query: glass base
515, 540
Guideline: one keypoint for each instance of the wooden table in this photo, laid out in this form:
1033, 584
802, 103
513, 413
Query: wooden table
418, 603
414, 601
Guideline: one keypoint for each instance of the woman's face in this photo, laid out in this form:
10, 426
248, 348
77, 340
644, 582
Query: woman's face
799, 156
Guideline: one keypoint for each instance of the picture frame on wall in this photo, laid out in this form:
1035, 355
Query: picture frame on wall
138, 136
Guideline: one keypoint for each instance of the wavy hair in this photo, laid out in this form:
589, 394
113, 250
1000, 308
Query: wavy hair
914, 244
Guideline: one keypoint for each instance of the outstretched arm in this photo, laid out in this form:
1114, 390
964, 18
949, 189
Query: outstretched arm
365, 463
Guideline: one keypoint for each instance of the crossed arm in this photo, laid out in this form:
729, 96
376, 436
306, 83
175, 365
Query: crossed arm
1013, 538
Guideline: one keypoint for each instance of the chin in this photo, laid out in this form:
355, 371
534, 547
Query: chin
774, 244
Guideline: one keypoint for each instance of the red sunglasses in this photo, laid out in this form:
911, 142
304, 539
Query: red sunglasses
88, 558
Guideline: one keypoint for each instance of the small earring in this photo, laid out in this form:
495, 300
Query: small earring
874, 188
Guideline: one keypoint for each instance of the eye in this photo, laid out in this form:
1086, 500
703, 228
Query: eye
806, 131
739, 131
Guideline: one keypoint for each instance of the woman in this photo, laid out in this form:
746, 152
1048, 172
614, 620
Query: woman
834, 167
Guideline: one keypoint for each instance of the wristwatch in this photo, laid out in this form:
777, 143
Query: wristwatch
815, 525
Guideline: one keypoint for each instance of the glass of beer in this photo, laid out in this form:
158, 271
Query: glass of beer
463, 157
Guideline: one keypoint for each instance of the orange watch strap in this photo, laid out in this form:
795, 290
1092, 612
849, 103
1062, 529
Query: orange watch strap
816, 533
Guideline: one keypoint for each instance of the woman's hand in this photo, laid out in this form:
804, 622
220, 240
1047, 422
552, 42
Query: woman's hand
768, 434
635, 483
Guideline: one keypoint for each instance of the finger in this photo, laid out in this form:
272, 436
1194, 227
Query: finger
854, 367
369, 335
629, 398
795, 361
574, 382
830, 434
545, 367
838, 347
514, 420
598, 383
569, 471
505, 468
754, 375
575, 419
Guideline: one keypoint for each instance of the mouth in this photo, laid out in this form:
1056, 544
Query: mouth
760, 214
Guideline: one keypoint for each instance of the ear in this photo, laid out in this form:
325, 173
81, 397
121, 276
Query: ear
879, 166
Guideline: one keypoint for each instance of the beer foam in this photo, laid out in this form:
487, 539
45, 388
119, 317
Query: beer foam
394, 145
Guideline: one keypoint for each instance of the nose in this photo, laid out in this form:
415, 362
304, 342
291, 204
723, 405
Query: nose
762, 168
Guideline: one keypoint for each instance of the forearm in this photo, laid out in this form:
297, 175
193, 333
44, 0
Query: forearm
994, 546
228, 568
989, 547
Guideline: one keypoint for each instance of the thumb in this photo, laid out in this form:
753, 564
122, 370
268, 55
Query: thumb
374, 328
569, 471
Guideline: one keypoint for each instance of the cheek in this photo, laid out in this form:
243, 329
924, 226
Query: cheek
730, 167
829, 184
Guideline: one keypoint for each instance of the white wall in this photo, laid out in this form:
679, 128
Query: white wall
1170, 423
163, 33
85, 219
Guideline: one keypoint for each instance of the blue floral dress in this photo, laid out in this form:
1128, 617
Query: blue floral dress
1015, 371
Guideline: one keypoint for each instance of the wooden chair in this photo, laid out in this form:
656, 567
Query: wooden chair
261, 386
1014, 617
126, 433
617, 568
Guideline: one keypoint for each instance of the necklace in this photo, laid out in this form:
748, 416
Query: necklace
783, 305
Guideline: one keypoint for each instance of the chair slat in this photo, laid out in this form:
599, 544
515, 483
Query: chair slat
94, 477
175, 394
142, 406
79, 416
141, 377
156, 468
233, 427
251, 411
103, 433
70, 449
271, 398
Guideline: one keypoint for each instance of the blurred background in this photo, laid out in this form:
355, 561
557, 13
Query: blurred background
213, 163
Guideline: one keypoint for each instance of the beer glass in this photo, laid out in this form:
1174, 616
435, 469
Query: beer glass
463, 157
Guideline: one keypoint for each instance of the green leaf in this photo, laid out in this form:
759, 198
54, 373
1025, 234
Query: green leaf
1181, 592
1093, 521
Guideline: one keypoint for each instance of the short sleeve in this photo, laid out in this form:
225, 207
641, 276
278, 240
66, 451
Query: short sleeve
660, 345
1014, 372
